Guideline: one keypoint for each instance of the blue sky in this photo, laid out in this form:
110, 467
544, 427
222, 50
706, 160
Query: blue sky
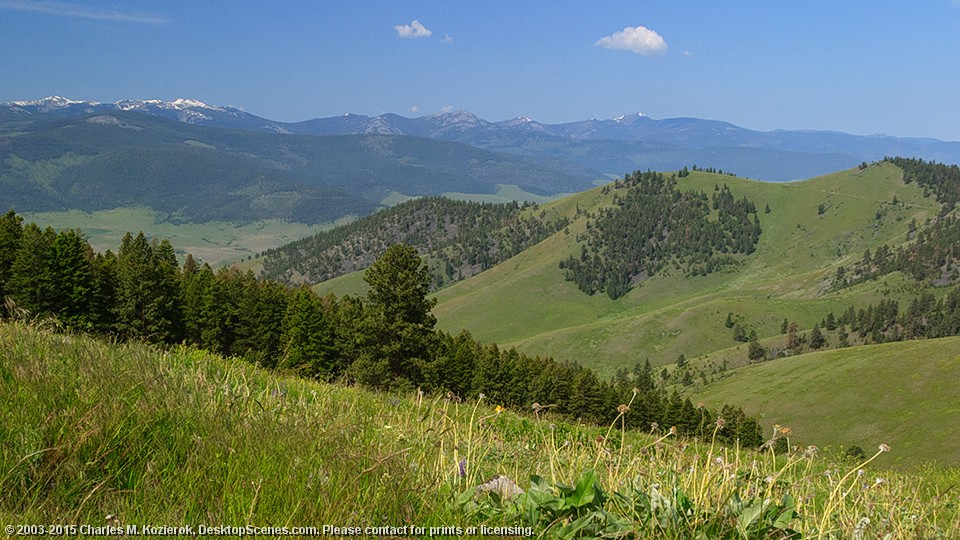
862, 67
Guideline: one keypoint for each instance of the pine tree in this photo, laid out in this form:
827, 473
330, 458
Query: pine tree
755, 351
831, 322
32, 282
104, 302
793, 340
149, 298
72, 275
817, 339
309, 340
398, 323
11, 229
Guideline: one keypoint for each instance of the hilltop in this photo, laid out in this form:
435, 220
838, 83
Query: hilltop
527, 301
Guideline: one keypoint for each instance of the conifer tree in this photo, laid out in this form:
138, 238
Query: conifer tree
72, 275
11, 229
149, 301
398, 325
817, 339
32, 282
309, 341
103, 304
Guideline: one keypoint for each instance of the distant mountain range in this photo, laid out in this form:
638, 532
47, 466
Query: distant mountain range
612, 147
197, 162
111, 158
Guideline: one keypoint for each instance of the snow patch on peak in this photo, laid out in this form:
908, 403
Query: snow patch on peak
183, 103
136, 104
51, 102
379, 126
180, 104
627, 117
278, 129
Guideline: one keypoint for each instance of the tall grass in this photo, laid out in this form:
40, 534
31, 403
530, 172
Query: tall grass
182, 437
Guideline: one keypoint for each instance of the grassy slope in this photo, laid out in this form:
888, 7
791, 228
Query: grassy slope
526, 302
902, 393
187, 438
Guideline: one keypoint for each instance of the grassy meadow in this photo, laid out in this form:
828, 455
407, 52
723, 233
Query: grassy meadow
217, 243
180, 437
903, 393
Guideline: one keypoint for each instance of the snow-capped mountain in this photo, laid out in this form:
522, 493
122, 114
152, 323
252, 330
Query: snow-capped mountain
612, 145
190, 111
54, 104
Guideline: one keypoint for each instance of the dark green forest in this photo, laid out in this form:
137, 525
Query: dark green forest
386, 340
654, 225
458, 238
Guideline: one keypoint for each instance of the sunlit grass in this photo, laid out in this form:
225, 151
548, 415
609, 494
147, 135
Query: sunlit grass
182, 437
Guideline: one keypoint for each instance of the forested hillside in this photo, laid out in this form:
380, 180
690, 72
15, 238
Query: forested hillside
652, 225
459, 239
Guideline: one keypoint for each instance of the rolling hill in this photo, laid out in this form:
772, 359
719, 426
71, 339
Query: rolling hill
527, 302
127, 435
839, 397
902, 393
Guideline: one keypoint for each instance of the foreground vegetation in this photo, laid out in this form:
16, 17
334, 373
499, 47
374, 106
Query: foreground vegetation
181, 437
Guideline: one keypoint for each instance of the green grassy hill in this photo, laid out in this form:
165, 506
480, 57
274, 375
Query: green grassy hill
833, 397
95, 435
527, 303
904, 393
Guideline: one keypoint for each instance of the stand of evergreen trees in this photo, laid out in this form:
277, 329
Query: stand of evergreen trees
459, 238
925, 317
653, 225
934, 253
933, 256
938, 178
386, 340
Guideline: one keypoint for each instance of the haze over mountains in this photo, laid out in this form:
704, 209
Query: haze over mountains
608, 147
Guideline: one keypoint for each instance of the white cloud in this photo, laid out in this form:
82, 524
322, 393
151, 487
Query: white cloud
690, 53
448, 39
414, 109
640, 40
413, 30
64, 9
448, 108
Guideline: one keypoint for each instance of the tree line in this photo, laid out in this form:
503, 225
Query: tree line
937, 178
934, 251
925, 317
386, 340
458, 238
654, 225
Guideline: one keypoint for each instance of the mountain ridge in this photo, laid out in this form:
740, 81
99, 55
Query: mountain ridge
608, 145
